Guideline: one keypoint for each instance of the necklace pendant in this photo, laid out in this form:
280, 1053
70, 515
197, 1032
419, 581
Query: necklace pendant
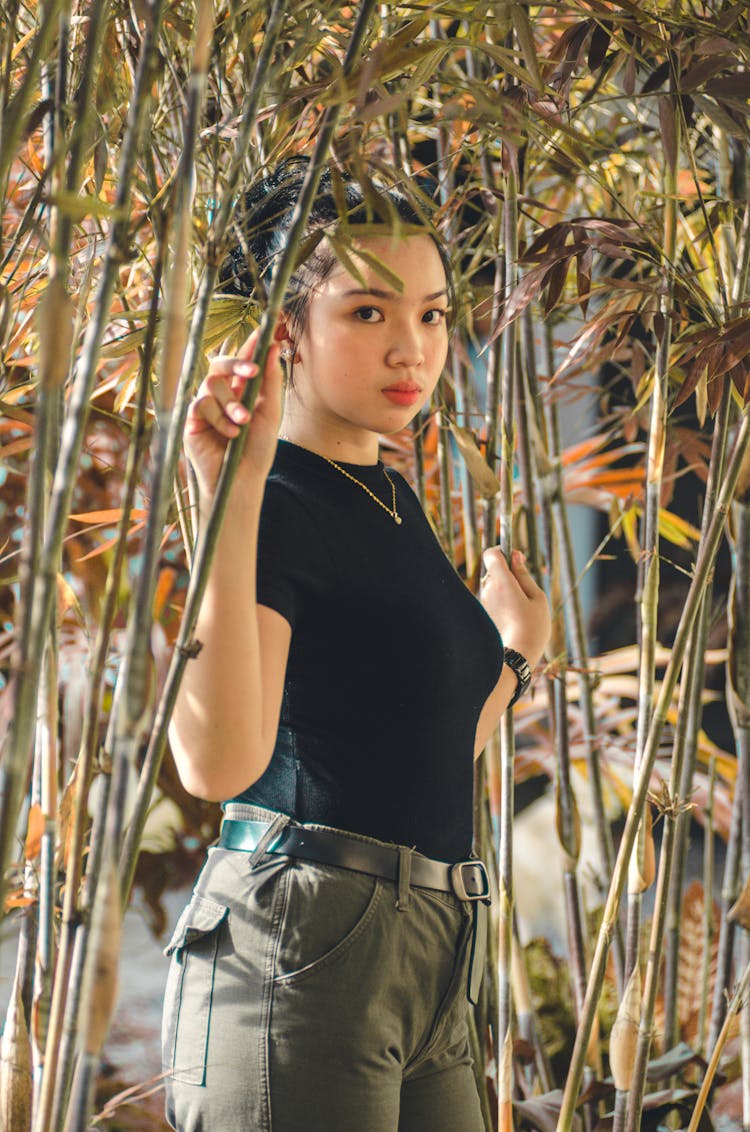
397, 519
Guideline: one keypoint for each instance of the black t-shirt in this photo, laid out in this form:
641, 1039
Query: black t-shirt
390, 663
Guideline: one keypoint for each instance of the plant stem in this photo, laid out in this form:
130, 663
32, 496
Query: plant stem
649, 610
704, 565
689, 714
578, 647
16, 749
736, 1004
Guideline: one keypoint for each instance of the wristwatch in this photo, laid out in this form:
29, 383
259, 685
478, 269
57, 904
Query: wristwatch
522, 669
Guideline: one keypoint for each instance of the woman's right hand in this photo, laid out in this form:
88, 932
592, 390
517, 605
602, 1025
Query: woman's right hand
216, 415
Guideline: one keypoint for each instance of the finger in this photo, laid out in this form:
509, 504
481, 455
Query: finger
227, 394
493, 556
523, 575
207, 412
249, 346
231, 366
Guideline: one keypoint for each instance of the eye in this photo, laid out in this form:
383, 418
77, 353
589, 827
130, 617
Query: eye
368, 314
435, 316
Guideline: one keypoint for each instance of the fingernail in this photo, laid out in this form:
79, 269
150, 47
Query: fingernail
245, 369
238, 413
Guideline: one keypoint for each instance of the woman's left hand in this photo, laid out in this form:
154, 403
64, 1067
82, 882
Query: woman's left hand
516, 604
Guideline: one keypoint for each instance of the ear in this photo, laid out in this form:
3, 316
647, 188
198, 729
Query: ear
282, 335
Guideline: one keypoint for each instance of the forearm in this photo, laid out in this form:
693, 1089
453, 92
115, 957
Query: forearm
217, 727
495, 707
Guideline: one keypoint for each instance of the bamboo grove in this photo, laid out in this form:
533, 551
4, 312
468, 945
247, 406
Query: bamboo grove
589, 166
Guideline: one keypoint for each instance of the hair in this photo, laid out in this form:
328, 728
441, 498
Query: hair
263, 219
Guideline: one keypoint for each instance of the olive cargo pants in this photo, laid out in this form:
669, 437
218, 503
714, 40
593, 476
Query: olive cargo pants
309, 998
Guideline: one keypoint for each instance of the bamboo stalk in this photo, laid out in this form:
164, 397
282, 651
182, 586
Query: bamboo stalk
738, 697
80, 974
684, 748
708, 906
729, 891
17, 747
629, 1113
47, 756
703, 567
90, 732
98, 995
578, 647
97, 19
133, 706
16, 112
736, 1004
207, 540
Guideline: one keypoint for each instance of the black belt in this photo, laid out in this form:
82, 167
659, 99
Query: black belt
467, 879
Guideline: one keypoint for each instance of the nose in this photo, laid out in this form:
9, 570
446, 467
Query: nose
406, 347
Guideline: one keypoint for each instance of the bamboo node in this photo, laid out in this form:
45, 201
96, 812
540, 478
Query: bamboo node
191, 650
669, 805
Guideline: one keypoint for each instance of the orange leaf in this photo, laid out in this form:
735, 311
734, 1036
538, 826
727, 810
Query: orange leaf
34, 832
164, 587
112, 516
18, 900
108, 543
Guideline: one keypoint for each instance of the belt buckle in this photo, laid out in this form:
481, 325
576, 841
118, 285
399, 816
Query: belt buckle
458, 881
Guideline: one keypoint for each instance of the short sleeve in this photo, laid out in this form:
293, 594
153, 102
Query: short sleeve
282, 551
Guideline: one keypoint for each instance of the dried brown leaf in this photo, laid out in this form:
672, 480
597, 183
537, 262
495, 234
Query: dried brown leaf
739, 913
482, 475
668, 124
15, 1068
56, 314
623, 1040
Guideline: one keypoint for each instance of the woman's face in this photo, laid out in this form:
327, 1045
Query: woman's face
369, 356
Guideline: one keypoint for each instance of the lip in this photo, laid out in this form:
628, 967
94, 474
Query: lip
403, 392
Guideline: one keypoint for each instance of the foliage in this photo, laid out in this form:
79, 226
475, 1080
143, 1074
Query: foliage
588, 162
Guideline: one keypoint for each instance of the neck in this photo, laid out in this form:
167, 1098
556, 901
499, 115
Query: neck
349, 446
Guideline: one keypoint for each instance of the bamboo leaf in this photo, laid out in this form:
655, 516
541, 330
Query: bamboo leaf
668, 124
484, 478
739, 913
77, 208
109, 515
525, 33
34, 832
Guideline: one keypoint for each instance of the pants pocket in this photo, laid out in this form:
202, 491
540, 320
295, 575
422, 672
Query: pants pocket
189, 990
327, 911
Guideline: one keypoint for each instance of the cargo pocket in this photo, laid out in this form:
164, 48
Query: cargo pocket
190, 985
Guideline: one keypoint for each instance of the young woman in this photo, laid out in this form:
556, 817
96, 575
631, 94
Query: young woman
347, 677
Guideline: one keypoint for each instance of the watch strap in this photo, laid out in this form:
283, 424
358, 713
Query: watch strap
520, 665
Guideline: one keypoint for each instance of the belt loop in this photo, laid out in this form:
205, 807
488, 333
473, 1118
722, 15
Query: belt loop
278, 825
404, 878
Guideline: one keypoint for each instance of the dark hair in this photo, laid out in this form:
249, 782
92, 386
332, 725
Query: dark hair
263, 219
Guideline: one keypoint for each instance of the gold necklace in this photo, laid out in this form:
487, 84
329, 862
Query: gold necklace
392, 509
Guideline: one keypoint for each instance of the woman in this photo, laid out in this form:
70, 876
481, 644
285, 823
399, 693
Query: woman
346, 678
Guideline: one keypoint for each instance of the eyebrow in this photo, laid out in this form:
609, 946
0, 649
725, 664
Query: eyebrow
393, 294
